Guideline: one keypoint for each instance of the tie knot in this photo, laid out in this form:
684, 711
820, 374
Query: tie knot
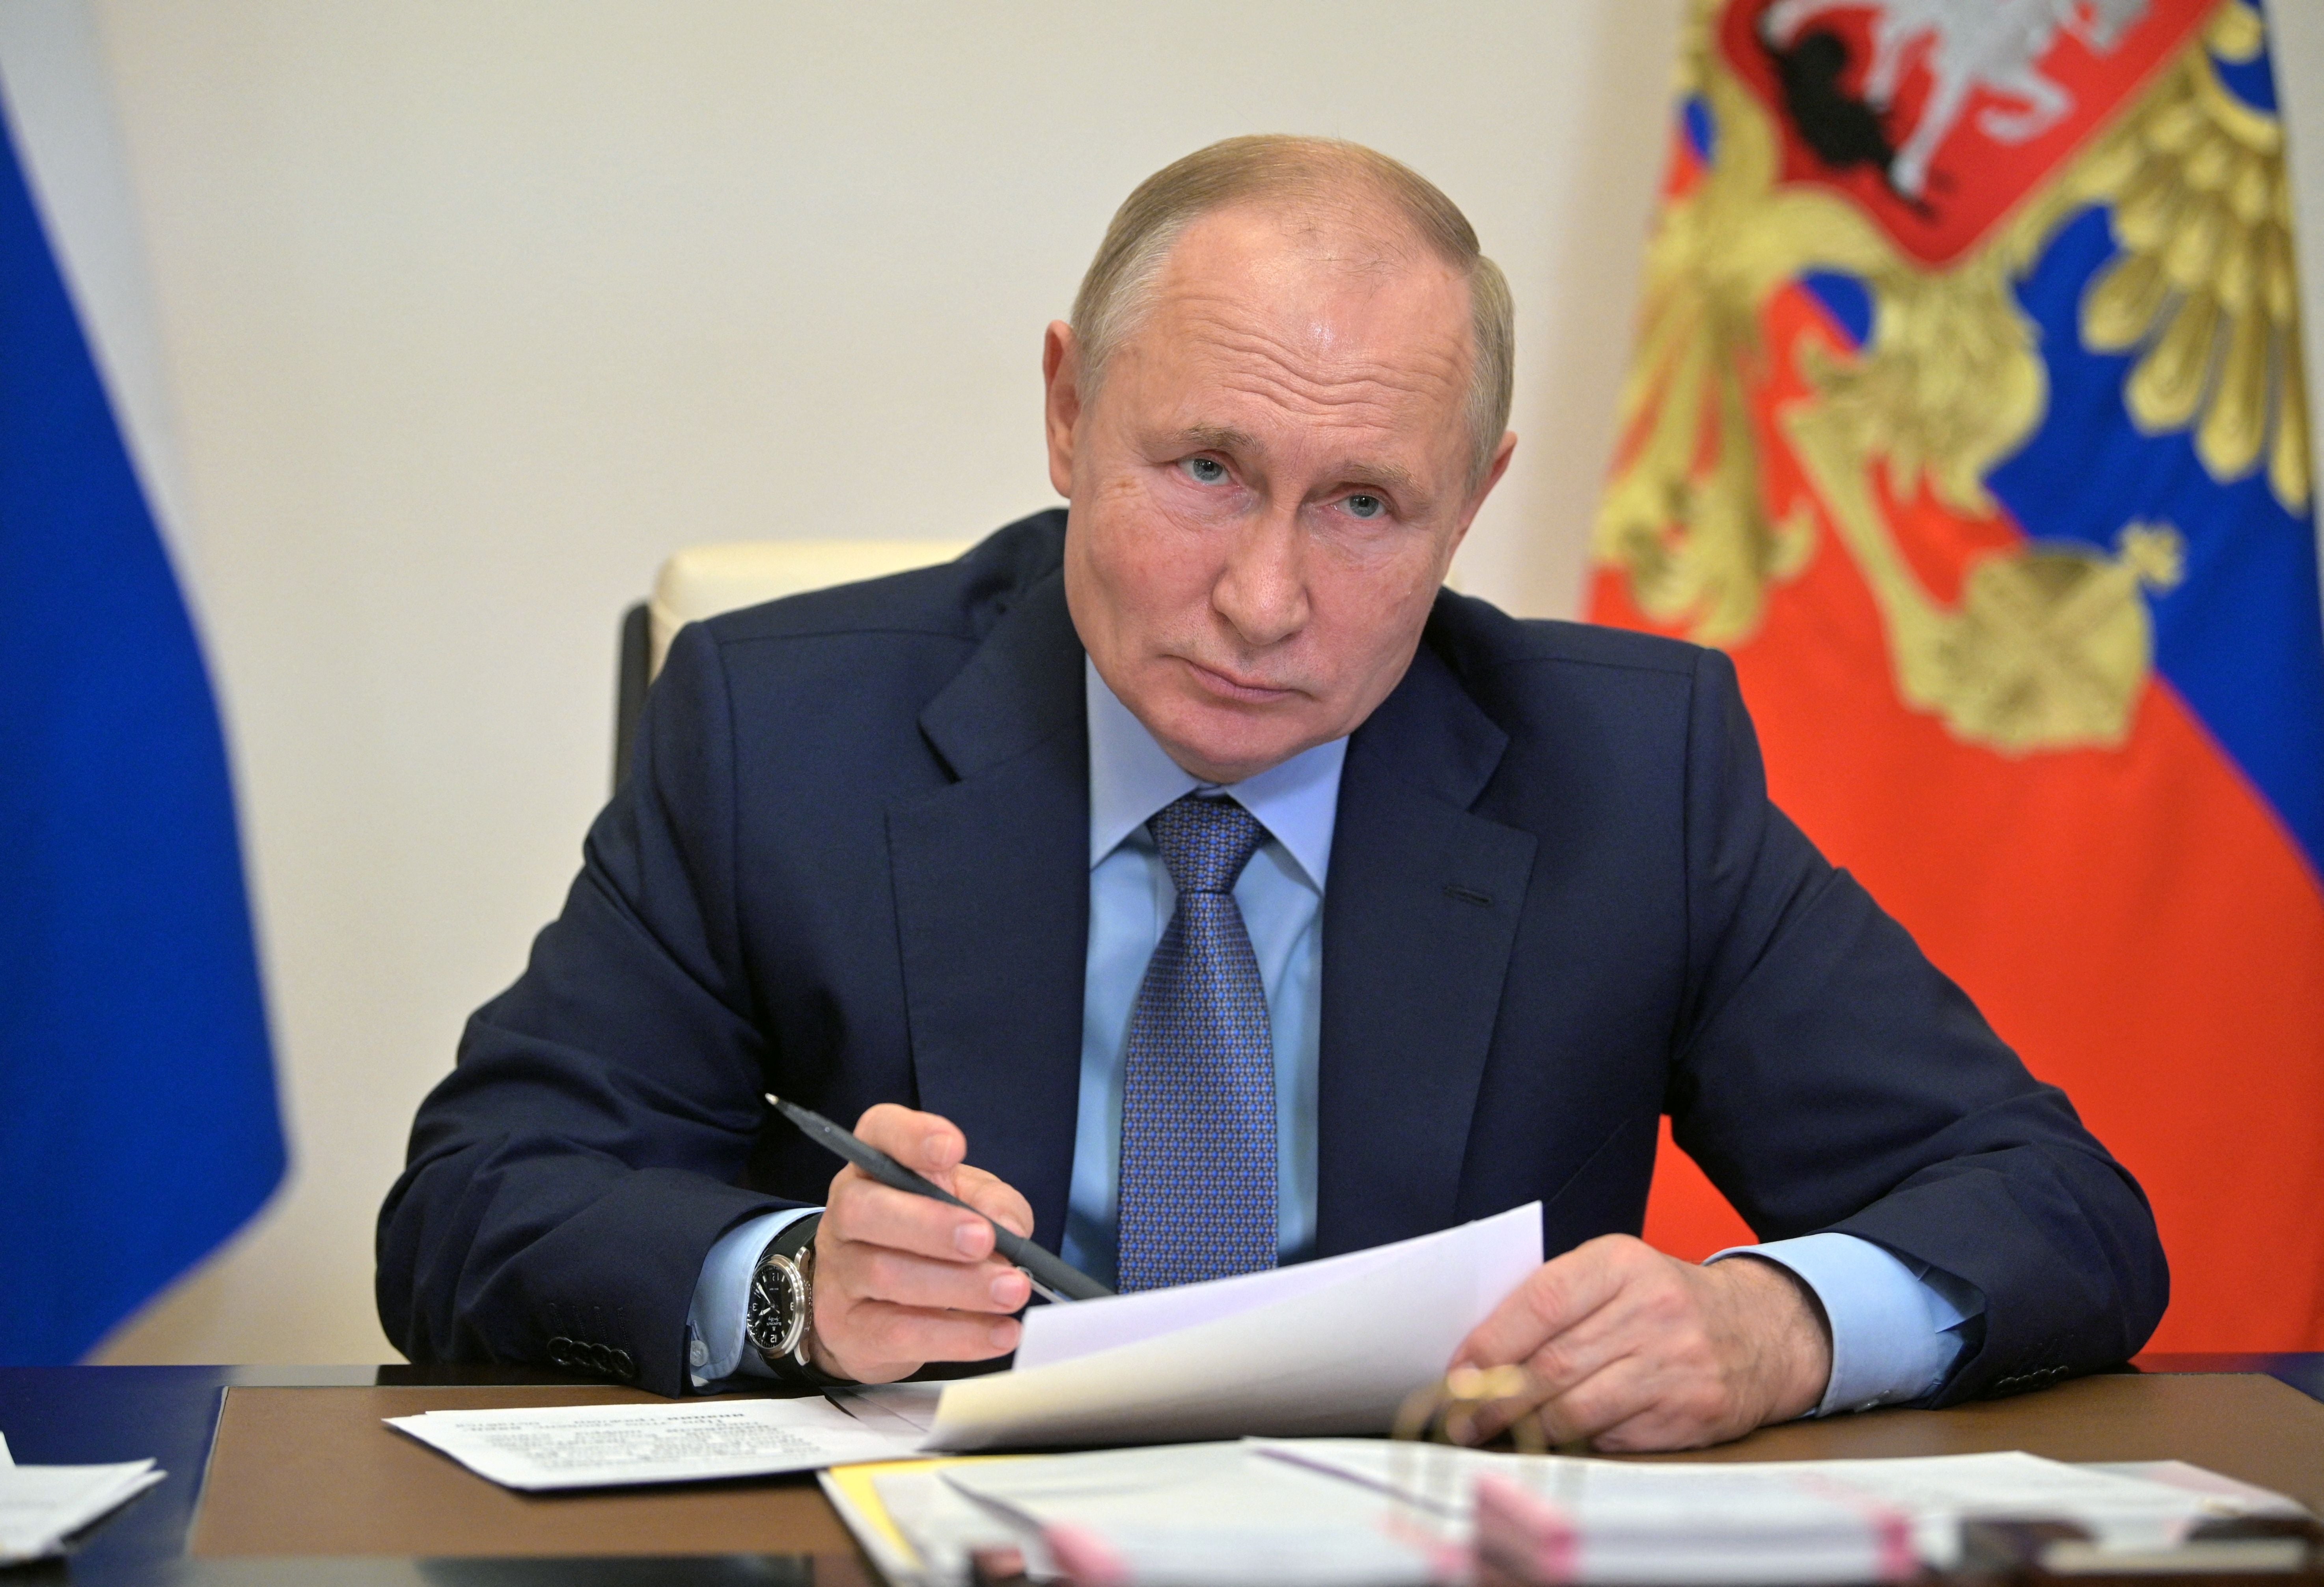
1205, 843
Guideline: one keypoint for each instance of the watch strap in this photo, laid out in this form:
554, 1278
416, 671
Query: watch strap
793, 1238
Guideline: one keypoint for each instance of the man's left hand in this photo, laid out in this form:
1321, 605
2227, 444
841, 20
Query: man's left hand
1633, 1349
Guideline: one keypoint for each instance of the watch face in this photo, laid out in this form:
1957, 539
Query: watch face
778, 1314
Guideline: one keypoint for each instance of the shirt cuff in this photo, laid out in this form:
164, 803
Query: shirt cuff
1895, 1325
715, 1343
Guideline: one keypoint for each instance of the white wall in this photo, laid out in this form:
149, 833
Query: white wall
473, 311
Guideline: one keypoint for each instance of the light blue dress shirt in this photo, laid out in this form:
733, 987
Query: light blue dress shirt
1895, 1331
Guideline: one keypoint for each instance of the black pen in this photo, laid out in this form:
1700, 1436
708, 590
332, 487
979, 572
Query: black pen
1051, 1277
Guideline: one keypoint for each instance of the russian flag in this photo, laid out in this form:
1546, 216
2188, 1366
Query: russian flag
1969, 417
138, 1118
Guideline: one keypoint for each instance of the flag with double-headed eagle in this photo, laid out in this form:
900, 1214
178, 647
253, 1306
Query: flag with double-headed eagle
1967, 414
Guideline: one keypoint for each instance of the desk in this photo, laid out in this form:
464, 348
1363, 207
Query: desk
281, 1477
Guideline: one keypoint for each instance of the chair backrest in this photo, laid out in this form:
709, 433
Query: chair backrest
702, 581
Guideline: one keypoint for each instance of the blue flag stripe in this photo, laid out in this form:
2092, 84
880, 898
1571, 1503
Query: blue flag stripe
138, 1122
2241, 637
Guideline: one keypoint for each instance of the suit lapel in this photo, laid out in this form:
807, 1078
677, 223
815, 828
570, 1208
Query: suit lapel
992, 877
1419, 918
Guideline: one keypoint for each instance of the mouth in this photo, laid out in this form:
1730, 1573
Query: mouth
1227, 686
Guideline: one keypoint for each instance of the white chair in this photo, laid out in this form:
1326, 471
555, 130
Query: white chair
702, 581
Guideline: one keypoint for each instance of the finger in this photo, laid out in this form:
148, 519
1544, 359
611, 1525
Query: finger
1558, 1294
1621, 1393
870, 1272
1667, 1415
996, 1198
863, 1211
1649, 1313
927, 1143
874, 1341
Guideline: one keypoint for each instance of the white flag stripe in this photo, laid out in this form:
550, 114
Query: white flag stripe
68, 135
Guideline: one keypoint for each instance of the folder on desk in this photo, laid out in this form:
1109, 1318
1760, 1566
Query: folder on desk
1332, 1512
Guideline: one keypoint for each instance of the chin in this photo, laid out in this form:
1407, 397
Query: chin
1238, 754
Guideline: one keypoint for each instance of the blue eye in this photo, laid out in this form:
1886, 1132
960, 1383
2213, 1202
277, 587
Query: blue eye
1205, 470
1363, 504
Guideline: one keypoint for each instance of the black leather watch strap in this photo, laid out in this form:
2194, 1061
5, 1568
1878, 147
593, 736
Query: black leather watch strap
796, 1238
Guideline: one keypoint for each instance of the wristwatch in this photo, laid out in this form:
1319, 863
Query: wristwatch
780, 1320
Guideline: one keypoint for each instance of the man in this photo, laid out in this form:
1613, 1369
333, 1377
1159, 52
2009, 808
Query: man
1231, 894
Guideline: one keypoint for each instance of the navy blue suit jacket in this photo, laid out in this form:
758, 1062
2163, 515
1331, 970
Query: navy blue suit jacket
850, 864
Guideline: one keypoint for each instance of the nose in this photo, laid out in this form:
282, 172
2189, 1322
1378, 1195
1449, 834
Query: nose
1262, 590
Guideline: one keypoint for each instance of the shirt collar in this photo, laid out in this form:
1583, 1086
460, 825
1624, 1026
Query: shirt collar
1131, 777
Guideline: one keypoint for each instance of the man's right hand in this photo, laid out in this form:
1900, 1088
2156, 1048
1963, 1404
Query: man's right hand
902, 1280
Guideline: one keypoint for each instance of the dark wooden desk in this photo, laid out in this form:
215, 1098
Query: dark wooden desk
283, 1476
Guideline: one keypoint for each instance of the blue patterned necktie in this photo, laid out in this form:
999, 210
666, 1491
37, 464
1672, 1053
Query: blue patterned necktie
1198, 1082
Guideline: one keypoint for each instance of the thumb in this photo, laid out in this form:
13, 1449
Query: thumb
925, 1143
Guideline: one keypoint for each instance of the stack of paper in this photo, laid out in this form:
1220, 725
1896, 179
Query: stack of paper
2138, 1507
614, 1445
1210, 1513
1740, 1531
1336, 1512
1198, 1513
42, 1506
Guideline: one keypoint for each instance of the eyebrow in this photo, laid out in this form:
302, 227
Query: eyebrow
1220, 438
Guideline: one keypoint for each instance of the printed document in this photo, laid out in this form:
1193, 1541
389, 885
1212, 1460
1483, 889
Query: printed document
611, 1445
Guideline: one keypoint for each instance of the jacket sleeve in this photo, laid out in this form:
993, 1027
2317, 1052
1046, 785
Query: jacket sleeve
1828, 1077
566, 1182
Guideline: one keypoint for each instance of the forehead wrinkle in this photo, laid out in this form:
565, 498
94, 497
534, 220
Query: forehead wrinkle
1421, 368
1362, 406
1362, 389
1377, 397
1234, 317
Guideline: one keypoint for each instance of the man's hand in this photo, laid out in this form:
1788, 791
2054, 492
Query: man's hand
902, 1280
1633, 1349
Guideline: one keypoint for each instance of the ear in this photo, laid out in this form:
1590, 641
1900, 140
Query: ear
1493, 472
1062, 401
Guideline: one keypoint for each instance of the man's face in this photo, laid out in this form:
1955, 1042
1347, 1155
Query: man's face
1268, 486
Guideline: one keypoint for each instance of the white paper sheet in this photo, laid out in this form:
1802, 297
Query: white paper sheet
891, 1407
611, 1445
1333, 1346
42, 1506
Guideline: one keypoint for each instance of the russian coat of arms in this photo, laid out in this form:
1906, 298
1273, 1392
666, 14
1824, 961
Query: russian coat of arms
1924, 153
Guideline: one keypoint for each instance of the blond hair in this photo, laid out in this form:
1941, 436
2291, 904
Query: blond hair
1119, 287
